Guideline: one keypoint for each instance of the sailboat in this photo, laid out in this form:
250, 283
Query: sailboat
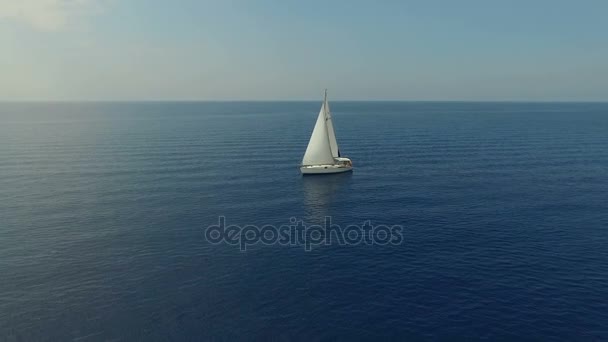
322, 154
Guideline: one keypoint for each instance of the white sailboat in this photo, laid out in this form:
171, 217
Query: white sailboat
322, 154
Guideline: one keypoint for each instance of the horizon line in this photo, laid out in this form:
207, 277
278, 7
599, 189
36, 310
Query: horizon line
293, 100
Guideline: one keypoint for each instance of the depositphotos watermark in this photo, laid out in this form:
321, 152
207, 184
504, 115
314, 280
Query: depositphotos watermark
297, 233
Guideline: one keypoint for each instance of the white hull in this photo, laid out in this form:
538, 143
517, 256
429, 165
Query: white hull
323, 169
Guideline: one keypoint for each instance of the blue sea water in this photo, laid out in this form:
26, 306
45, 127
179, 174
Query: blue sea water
504, 208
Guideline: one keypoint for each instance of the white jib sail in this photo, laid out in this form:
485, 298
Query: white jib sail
319, 151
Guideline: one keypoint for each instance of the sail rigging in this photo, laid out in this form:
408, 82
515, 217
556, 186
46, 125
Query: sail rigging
333, 143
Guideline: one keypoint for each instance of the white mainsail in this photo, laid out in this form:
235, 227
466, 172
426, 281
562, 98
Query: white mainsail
319, 151
333, 143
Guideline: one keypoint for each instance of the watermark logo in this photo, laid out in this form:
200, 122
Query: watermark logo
297, 233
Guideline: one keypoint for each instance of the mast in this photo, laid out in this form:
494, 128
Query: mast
333, 143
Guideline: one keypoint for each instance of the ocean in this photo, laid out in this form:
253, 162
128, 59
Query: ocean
104, 209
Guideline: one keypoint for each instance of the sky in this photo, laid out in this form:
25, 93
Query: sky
478, 50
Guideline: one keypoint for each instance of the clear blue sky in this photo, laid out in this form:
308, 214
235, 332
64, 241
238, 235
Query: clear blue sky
282, 50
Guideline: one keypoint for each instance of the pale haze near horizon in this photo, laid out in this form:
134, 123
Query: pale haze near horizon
291, 50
